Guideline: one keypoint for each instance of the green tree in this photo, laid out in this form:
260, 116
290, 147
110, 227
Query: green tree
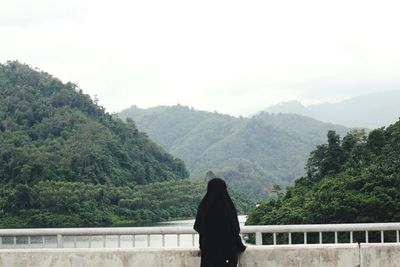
350, 181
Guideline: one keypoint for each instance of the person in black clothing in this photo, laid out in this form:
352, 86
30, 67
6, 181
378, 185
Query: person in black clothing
218, 226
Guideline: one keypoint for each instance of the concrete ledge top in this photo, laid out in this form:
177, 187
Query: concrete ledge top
182, 249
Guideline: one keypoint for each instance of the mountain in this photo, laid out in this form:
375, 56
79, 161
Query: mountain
66, 162
50, 129
354, 179
295, 107
252, 154
371, 110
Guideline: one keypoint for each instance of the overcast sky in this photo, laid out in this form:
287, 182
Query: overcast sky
235, 57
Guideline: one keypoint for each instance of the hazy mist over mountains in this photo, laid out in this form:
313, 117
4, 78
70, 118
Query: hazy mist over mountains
252, 154
370, 110
295, 104
269, 147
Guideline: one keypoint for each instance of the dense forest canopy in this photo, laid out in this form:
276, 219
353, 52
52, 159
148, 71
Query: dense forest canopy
64, 161
72, 204
51, 130
351, 180
253, 154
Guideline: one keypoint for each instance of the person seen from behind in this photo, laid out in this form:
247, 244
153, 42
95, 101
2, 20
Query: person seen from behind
218, 226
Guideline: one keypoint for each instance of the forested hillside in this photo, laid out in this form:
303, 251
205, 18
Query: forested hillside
71, 204
253, 154
50, 129
351, 180
64, 161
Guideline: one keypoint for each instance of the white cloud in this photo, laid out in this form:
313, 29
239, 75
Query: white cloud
231, 56
22, 13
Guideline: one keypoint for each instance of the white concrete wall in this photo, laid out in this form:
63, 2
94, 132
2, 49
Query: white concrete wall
302, 256
380, 255
93, 257
340, 255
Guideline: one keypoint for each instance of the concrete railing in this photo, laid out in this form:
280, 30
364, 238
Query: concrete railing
277, 234
323, 229
316, 255
177, 246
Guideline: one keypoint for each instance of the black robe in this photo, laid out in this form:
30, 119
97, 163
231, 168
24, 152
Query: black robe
218, 226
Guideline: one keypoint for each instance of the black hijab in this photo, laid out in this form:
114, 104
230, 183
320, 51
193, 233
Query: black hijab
218, 226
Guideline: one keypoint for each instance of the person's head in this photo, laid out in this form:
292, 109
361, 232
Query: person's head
217, 200
216, 186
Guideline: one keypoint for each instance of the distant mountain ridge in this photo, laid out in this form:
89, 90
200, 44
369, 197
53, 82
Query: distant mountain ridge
251, 153
370, 110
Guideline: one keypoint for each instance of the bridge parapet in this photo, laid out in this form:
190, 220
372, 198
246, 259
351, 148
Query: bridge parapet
187, 237
317, 255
